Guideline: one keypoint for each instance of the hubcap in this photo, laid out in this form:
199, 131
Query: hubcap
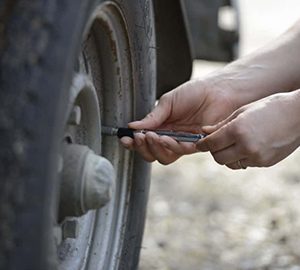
87, 181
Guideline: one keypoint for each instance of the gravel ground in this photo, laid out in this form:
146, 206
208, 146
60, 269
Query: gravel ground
204, 216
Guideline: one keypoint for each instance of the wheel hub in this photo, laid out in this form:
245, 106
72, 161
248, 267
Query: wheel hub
87, 178
88, 181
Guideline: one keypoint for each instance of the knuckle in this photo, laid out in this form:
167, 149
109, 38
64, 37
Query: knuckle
201, 146
164, 162
230, 166
239, 131
231, 129
255, 153
167, 159
252, 150
218, 159
150, 115
207, 145
164, 98
149, 159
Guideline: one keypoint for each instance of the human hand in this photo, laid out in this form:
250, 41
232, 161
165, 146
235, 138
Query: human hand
259, 134
186, 108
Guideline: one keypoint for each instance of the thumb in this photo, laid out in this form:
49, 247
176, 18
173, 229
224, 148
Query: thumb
212, 128
156, 118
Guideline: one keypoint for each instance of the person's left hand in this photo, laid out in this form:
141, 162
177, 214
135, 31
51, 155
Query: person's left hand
259, 134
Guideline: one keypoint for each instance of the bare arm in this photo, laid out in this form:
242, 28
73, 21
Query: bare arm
272, 69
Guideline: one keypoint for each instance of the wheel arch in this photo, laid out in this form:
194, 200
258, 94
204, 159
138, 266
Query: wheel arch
174, 58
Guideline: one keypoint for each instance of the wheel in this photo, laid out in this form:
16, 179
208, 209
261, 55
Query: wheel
71, 198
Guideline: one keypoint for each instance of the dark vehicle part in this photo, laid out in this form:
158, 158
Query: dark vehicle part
43, 119
193, 29
174, 58
213, 28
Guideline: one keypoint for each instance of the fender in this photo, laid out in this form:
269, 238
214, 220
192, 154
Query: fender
174, 58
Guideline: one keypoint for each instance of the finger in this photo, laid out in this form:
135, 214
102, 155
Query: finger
233, 166
127, 142
180, 148
213, 128
155, 118
241, 165
160, 153
141, 147
209, 129
229, 155
218, 140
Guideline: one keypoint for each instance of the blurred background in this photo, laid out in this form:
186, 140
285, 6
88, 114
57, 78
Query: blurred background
204, 216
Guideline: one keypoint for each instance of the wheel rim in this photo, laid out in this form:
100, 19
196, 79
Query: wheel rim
105, 66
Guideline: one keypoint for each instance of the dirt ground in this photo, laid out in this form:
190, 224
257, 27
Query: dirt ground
205, 216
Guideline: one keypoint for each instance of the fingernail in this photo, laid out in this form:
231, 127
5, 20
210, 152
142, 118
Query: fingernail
150, 140
138, 141
126, 141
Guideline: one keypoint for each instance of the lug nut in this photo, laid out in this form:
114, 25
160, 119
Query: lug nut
98, 182
87, 181
70, 228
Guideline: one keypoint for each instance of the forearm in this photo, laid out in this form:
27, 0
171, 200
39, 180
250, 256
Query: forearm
274, 68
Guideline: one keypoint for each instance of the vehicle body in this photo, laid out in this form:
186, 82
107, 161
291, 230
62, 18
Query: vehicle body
192, 29
71, 198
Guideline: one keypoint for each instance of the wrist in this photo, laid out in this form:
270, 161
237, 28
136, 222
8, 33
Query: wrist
230, 82
248, 80
291, 110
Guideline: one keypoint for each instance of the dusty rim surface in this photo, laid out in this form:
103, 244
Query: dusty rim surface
204, 216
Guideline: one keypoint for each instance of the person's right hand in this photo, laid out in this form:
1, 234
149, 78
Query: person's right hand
270, 70
186, 108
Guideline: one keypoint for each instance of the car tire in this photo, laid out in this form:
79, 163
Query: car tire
39, 45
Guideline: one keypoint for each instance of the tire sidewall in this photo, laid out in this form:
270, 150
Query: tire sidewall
36, 67
139, 16
51, 32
